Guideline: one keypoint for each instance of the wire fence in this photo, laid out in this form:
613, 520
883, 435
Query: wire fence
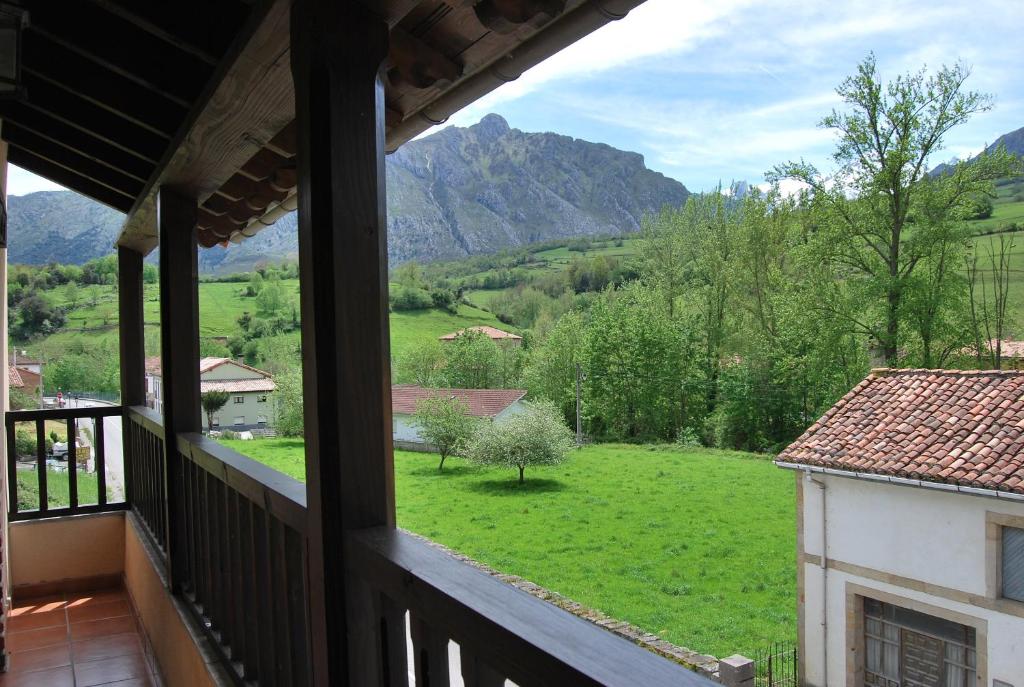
777, 665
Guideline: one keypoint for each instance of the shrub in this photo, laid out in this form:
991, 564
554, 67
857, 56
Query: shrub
535, 436
410, 298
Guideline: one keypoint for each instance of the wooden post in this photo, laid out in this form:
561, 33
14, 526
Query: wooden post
5, 585
131, 327
338, 49
179, 354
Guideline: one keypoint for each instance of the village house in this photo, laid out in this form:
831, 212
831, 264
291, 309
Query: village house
25, 380
496, 405
910, 532
498, 336
1011, 352
250, 404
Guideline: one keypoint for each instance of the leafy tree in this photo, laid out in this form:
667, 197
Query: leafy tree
551, 370
445, 423
422, 364
871, 228
19, 400
213, 401
290, 420
72, 294
271, 299
536, 436
472, 362
211, 348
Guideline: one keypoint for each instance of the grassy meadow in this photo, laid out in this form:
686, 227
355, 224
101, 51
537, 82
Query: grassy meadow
697, 546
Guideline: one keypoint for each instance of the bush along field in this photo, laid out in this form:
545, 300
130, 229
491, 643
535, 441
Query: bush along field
658, 536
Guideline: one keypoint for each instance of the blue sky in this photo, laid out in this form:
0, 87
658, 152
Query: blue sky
723, 90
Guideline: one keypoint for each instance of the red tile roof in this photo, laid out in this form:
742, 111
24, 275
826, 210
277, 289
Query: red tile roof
205, 365
14, 378
480, 402
492, 332
964, 428
1008, 348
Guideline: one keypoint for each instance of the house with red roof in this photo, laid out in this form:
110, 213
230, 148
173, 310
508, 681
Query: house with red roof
910, 532
496, 405
250, 404
496, 335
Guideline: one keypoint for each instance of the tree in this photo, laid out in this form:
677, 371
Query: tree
536, 436
472, 362
421, 364
445, 423
868, 208
288, 397
212, 402
271, 298
72, 294
551, 370
988, 317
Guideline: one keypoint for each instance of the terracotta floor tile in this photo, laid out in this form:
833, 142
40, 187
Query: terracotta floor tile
58, 677
35, 621
40, 659
134, 682
111, 609
99, 628
37, 639
109, 670
107, 647
41, 604
93, 598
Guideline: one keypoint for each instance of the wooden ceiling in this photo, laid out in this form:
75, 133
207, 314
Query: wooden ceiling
147, 96
109, 84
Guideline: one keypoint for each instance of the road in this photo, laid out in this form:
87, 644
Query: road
114, 448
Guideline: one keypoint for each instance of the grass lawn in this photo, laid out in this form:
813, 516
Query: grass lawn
696, 546
57, 494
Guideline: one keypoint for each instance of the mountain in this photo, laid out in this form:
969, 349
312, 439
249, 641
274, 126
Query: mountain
1014, 142
459, 192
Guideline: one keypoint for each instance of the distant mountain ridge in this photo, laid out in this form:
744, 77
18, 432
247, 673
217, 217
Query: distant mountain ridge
459, 192
1013, 141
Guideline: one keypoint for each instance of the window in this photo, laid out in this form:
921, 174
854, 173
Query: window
261, 419
239, 399
1013, 563
905, 647
262, 398
240, 420
216, 421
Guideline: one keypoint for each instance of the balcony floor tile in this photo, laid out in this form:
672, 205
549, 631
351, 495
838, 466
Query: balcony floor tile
78, 640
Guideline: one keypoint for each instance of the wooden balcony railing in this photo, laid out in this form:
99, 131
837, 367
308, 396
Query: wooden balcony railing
145, 472
245, 555
501, 632
31, 457
245, 574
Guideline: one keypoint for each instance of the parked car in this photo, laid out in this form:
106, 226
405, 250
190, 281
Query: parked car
60, 449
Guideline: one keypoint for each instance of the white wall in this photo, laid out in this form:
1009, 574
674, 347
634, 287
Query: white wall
933, 537
229, 370
404, 429
250, 409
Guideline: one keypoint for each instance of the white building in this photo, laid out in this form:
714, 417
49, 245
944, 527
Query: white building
250, 405
490, 404
910, 533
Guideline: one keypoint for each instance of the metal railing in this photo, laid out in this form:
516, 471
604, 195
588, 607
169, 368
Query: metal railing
32, 464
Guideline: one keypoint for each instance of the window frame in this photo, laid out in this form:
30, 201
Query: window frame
994, 524
239, 399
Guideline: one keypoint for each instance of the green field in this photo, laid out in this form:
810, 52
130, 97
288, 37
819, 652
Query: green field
57, 494
696, 546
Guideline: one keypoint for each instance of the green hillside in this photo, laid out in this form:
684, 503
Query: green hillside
92, 317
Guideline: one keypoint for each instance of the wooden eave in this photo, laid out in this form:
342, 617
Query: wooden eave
211, 113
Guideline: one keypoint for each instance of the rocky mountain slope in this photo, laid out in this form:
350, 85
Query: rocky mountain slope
461, 191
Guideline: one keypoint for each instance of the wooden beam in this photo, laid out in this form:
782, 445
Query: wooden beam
179, 353
69, 179
246, 105
338, 50
60, 66
505, 16
130, 73
156, 31
74, 137
85, 166
79, 142
80, 113
419, 65
131, 328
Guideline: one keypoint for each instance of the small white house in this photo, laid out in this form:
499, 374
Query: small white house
491, 404
250, 404
910, 533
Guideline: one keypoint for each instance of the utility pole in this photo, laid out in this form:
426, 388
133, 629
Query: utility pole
579, 406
